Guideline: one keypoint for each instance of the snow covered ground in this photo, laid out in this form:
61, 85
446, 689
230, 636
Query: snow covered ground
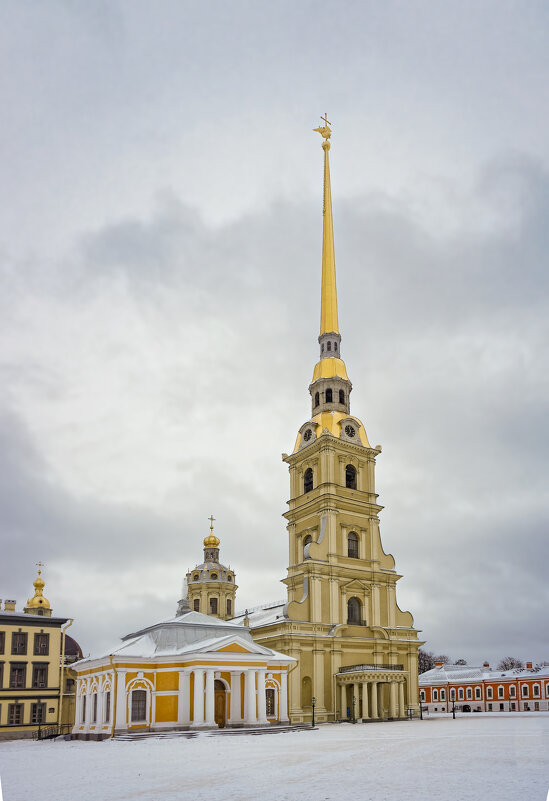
473, 757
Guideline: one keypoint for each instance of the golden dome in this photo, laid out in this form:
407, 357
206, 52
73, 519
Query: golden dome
211, 541
38, 601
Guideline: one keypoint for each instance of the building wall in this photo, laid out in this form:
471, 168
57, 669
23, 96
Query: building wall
491, 693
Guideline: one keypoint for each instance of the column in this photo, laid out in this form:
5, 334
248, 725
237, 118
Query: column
356, 704
198, 713
100, 711
318, 679
375, 605
184, 699
78, 710
314, 585
401, 710
283, 698
261, 699
381, 699
392, 699
210, 698
250, 714
121, 705
375, 713
365, 714
334, 601
343, 608
235, 714
343, 689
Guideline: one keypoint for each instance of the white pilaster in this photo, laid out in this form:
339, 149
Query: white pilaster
184, 699
210, 698
401, 710
198, 699
121, 705
375, 713
365, 712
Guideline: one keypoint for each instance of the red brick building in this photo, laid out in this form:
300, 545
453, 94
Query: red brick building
479, 689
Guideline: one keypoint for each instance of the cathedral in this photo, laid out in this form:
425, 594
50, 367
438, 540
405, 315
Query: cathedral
339, 648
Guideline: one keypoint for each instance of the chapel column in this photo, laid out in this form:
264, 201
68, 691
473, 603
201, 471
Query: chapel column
198, 700
283, 699
375, 713
184, 698
401, 710
261, 698
250, 714
78, 706
392, 699
210, 698
236, 707
121, 705
356, 706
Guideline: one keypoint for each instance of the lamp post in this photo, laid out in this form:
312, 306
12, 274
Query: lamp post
314, 704
454, 708
354, 702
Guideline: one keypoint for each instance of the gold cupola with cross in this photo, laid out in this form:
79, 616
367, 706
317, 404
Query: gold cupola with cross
341, 609
210, 586
38, 604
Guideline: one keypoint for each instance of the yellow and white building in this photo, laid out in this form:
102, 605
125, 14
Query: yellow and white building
36, 684
192, 671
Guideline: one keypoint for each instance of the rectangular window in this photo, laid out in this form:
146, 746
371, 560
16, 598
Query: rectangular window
196, 604
229, 607
94, 709
40, 675
84, 709
18, 675
213, 606
107, 707
536, 690
443, 695
489, 707
512, 691
501, 707
452, 695
422, 695
512, 707
525, 691
460, 693
19, 642
15, 714
477, 693
38, 713
139, 702
41, 644
2, 641
270, 703
469, 693
536, 706
500, 692
435, 695
489, 692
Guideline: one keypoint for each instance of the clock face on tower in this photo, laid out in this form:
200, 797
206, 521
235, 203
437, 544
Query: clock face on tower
307, 435
350, 431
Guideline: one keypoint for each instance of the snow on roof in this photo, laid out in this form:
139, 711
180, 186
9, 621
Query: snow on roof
459, 673
263, 615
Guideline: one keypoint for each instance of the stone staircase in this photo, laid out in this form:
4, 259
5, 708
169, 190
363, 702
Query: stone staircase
188, 735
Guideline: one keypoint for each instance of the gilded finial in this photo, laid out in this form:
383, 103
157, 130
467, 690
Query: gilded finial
211, 541
38, 601
325, 131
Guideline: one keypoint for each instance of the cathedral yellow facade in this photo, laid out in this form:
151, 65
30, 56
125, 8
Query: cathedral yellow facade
356, 650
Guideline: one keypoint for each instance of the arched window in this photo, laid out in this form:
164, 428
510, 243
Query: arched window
335, 345
512, 691
196, 605
196, 577
306, 541
354, 611
308, 480
139, 705
317, 398
452, 694
329, 396
306, 692
350, 476
213, 576
443, 695
352, 545
460, 693
342, 396
229, 606
322, 348
469, 692
213, 606
329, 346
229, 577
435, 695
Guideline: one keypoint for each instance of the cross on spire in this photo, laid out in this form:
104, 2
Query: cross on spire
325, 119
40, 565
211, 519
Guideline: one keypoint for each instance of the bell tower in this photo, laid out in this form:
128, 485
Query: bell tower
341, 611
211, 587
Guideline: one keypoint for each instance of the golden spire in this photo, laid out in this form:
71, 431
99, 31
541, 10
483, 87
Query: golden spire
328, 301
38, 601
211, 541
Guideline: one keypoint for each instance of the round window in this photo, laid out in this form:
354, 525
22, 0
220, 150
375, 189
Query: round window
213, 575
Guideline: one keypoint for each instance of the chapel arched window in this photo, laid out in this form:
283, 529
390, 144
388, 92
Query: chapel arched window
229, 607
342, 396
308, 480
329, 396
139, 705
317, 399
350, 476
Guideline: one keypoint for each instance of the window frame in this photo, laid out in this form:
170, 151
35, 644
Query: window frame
308, 480
36, 668
19, 637
15, 667
136, 704
34, 713
352, 537
17, 709
41, 646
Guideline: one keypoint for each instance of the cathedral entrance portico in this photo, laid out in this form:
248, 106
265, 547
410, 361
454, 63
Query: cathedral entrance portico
377, 693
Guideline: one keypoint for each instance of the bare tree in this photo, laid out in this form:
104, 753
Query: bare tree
510, 663
425, 660
444, 658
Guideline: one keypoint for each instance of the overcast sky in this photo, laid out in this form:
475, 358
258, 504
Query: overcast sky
160, 247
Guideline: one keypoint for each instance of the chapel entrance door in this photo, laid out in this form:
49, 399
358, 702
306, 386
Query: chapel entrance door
220, 704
